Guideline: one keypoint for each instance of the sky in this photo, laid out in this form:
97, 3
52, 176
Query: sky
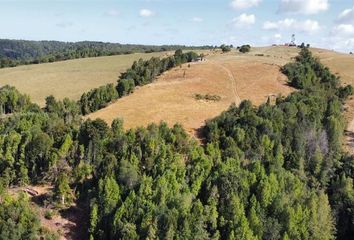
321, 23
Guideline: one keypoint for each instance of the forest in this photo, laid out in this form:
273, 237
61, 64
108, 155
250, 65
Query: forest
22, 52
277, 171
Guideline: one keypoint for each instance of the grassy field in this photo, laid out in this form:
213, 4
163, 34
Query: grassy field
68, 78
233, 77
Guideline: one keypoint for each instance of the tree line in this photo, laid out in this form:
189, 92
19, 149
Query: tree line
21, 52
141, 73
276, 171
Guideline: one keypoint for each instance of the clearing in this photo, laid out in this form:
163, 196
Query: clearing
69, 78
68, 223
233, 77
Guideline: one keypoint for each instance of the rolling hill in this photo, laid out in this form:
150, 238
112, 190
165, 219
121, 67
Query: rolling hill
69, 78
233, 77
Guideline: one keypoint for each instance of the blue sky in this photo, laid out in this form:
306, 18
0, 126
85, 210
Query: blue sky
322, 23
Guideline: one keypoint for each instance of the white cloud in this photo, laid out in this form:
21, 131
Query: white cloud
341, 37
197, 19
281, 24
274, 39
278, 36
244, 20
112, 13
347, 16
338, 43
303, 6
243, 4
146, 13
307, 26
343, 30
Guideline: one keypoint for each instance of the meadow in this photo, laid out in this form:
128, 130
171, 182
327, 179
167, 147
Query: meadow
69, 78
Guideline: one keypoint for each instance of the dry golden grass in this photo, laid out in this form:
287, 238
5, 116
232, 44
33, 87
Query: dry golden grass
231, 76
68, 78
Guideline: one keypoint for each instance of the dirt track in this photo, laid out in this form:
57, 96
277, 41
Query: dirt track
232, 81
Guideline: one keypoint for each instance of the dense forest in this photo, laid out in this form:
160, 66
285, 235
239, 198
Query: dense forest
20, 52
276, 171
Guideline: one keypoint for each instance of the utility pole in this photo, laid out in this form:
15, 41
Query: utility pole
293, 40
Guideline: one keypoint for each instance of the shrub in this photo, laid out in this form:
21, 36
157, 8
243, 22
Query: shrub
245, 48
225, 48
48, 214
207, 97
345, 92
125, 87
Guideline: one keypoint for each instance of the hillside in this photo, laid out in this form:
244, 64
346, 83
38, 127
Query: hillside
22, 52
233, 77
276, 171
69, 78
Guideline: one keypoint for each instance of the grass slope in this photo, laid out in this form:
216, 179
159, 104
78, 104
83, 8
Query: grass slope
68, 78
233, 77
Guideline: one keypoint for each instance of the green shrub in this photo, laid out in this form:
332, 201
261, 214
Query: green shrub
225, 48
48, 214
245, 48
207, 97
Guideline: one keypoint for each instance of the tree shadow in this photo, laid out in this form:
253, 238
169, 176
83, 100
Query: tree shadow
78, 217
350, 136
199, 133
41, 200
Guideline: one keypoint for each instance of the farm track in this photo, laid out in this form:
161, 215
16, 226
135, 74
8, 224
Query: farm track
232, 81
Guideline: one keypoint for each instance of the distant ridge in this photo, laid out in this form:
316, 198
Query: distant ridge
22, 52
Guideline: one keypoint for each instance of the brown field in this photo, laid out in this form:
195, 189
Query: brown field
68, 78
232, 76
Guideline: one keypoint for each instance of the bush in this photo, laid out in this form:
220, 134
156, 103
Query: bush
125, 87
97, 98
345, 92
225, 48
48, 214
207, 97
245, 48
